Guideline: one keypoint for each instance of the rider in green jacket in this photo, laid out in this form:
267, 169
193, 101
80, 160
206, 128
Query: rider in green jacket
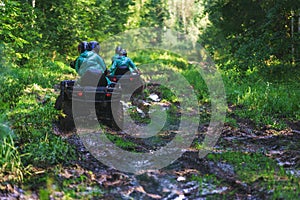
123, 60
117, 52
92, 62
91, 59
82, 47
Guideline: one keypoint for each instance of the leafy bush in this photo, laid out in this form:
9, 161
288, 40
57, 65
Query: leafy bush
28, 103
50, 151
33, 114
265, 103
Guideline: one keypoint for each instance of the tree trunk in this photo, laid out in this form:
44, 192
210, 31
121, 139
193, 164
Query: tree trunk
292, 36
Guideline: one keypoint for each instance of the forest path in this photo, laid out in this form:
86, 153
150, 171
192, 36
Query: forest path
180, 180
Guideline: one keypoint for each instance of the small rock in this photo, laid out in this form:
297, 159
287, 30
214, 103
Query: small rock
181, 178
154, 97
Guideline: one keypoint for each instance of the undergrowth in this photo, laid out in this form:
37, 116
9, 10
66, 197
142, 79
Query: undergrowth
27, 103
266, 97
259, 171
267, 103
11, 166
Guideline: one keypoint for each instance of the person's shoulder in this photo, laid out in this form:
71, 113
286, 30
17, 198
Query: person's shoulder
122, 57
117, 56
85, 54
117, 59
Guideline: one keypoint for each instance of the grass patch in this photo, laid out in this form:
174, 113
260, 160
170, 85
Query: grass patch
265, 103
261, 173
60, 184
121, 142
11, 166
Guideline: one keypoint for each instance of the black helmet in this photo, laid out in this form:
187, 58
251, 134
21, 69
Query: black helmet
92, 45
82, 46
123, 52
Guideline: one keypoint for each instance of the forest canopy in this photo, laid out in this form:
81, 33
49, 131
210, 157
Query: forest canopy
247, 34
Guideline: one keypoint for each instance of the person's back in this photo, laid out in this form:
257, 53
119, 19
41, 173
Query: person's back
92, 59
123, 61
93, 66
82, 57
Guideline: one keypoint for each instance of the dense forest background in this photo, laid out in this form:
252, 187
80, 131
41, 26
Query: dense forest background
265, 33
255, 44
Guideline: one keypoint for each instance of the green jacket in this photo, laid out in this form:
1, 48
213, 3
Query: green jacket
116, 56
79, 60
91, 60
122, 61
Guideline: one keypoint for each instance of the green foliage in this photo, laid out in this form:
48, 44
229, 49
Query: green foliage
254, 34
253, 50
206, 180
58, 25
11, 167
159, 57
136, 116
81, 191
29, 106
117, 16
265, 103
264, 97
63, 24
120, 142
155, 13
49, 151
17, 30
198, 84
33, 113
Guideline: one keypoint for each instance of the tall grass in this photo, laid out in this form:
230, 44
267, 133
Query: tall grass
265, 102
11, 167
267, 98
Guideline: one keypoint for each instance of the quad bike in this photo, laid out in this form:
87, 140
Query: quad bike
86, 97
131, 82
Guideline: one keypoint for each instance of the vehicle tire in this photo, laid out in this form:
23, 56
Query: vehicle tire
140, 89
58, 103
117, 120
67, 122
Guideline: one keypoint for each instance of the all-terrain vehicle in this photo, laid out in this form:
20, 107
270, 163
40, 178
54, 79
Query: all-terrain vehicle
87, 97
130, 82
